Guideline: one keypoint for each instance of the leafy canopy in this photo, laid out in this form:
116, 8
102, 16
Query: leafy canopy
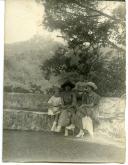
86, 29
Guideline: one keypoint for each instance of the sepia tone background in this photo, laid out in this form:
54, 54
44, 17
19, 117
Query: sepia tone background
42, 49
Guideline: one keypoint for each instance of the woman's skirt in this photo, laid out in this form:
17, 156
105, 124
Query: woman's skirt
65, 117
81, 113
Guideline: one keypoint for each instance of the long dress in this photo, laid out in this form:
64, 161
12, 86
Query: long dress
69, 102
86, 111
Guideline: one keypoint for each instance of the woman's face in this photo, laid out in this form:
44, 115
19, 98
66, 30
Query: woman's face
88, 89
67, 88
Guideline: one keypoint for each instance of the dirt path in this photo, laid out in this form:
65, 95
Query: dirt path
24, 146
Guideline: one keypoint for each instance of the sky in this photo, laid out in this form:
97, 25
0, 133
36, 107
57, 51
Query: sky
23, 20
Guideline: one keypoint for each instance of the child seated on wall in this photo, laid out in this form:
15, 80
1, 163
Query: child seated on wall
54, 107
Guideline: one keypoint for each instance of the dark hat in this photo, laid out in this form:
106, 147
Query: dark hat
67, 83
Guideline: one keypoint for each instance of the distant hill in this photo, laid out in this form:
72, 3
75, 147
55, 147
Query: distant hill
23, 60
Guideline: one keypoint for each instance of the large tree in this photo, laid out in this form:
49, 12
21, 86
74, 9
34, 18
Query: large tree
82, 20
86, 29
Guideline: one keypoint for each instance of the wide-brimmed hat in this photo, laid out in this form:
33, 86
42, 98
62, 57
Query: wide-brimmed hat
91, 84
67, 83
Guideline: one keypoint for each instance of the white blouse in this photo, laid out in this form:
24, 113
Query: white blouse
54, 103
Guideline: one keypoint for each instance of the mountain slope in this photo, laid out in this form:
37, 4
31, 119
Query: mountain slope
23, 60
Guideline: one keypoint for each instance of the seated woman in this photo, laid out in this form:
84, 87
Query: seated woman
54, 106
69, 103
85, 115
79, 91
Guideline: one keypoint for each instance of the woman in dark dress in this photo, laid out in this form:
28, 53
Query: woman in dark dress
69, 105
87, 106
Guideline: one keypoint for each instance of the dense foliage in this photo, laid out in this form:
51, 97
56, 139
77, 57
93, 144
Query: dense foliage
87, 29
22, 64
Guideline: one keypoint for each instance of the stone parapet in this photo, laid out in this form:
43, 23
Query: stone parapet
26, 120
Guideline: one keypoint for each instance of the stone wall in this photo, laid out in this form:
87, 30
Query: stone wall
26, 120
112, 117
33, 115
25, 101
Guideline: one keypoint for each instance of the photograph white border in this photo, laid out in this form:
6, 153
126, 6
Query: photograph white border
2, 7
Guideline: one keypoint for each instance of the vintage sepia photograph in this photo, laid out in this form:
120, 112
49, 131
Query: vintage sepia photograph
64, 81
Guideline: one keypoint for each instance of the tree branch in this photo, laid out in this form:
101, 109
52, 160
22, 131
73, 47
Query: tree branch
121, 48
97, 11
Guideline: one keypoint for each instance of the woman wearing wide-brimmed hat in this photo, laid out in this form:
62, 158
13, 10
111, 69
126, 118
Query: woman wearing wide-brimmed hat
87, 105
69, 103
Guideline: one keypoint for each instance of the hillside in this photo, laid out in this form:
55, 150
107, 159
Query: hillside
23, 60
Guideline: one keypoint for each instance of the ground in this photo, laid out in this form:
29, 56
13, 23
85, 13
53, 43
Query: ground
28, 146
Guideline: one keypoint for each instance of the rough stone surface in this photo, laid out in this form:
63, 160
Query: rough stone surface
25, 101
110, 116
26, 120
